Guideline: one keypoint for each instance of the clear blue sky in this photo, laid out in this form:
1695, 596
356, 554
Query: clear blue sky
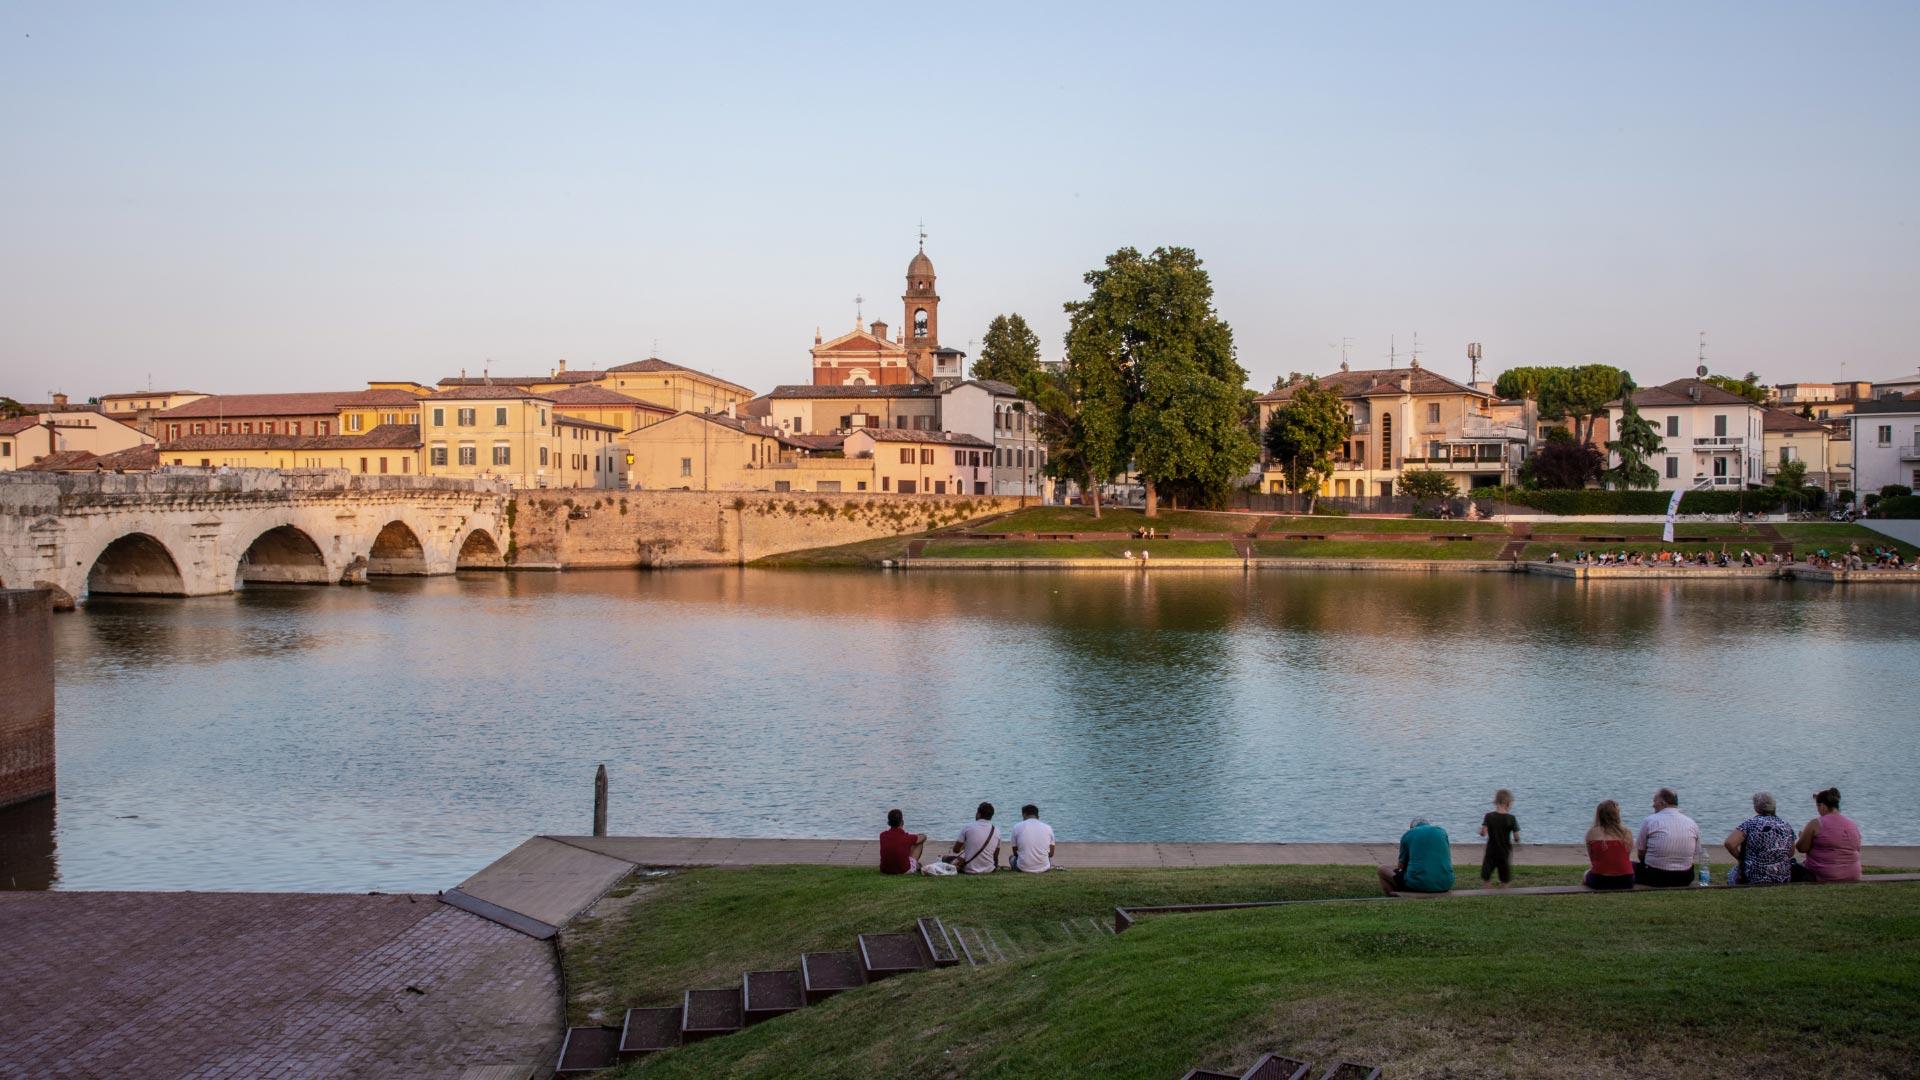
282, 196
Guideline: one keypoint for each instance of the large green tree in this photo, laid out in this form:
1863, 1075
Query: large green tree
1160, 360
1010, 353
1578, 393
1302, 435
1747, 387
10, 408
1427, 485
1635, 442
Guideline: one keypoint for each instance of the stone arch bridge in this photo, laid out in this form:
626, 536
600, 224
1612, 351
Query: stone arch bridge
197, 533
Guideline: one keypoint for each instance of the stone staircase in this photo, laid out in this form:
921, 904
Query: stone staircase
763, 995
1518, 535
1281, 1067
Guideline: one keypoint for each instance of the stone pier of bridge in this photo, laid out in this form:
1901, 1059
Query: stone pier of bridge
199, 532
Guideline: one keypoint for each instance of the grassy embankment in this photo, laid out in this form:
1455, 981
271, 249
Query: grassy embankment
1385, 538
1792, 982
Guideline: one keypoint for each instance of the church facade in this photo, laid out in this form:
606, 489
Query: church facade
866, 356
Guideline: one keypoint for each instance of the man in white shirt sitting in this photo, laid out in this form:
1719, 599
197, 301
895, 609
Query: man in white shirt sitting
1032, 842
1667, 844
978, 849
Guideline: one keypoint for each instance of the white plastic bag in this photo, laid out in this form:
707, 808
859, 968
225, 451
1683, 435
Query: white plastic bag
936, 868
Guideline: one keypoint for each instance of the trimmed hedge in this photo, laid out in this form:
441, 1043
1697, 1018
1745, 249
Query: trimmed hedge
1597, 501
1899, 506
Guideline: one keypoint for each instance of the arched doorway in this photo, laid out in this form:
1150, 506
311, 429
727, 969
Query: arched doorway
135, 565
283, 555
479, 552
397, 551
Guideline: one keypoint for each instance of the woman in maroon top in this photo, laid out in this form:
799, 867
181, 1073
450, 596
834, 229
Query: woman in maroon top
1609, 850
900, 849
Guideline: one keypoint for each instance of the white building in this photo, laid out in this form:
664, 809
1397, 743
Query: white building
1886, 444
1710, 440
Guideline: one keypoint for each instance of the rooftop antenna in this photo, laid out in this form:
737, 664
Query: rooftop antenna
1343, 345
1473, 355
1703, 354
1393, 355
1415, 351
858, 316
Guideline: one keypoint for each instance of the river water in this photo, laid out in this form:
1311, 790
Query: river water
402, 735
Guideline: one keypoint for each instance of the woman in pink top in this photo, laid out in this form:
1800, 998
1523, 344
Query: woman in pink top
1831, 842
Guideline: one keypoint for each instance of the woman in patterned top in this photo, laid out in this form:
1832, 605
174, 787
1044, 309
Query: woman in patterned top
1761, 846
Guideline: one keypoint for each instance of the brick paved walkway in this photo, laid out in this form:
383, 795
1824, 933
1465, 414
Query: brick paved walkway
284, 985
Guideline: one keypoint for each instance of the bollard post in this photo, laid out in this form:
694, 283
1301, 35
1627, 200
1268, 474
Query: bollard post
600, 801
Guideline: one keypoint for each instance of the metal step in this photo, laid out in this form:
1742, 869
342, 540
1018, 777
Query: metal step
711, 1012
767, 994
824, 974
588, 1049
648, 1030
883, 955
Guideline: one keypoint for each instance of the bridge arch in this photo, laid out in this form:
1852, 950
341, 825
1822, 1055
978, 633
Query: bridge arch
283, 554
135, 564
397, 550
480, 551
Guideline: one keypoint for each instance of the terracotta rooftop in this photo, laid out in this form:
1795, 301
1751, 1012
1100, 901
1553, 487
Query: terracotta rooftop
581, 376
146, 393
1380, 382
498, 391
233, 406
655, 365
902, 435
383, 437
600, 395
575, 421
1784, 420
1681, 392
134, 459
18, 424
901, 390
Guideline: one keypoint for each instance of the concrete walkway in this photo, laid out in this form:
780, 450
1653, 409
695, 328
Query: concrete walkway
742, 851
216, 985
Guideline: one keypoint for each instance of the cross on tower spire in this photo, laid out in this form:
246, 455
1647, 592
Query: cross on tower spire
923, 234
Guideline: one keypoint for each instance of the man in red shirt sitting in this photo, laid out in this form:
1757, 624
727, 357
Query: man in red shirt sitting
900, 849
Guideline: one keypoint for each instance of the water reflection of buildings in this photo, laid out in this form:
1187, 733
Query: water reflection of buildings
28, 857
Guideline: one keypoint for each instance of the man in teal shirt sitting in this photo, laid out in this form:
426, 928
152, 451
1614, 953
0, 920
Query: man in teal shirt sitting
1426, 861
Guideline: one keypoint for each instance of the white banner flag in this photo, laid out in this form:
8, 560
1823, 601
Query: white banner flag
1673, 507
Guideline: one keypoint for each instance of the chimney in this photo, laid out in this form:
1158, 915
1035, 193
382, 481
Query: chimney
1694, 392
1406, 384
730, 410
879, 329
563, 367
60, 401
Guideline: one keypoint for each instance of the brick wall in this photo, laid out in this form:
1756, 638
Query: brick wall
589, 528
26, 695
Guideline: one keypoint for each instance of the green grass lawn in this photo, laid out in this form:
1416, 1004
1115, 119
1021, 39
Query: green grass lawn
1379, 549
1791, 982
863, 553
1807, 536
703, 927
1039, 519
1077, 549
1420, 526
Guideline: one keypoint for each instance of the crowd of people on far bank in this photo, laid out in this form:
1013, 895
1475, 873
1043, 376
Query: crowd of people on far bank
1664, 852
1855, 558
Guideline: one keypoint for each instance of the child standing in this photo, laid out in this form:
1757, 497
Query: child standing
1502, 831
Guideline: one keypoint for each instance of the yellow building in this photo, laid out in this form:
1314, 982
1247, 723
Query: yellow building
384, 403
138, 408
1788, 436
681, 389
696, 451
604, 406
510, 433
390, 449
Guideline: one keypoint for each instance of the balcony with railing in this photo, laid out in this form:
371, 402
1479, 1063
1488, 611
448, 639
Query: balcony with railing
1719, 444
1910, 453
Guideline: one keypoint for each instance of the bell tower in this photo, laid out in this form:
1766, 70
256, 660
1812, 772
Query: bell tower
922, 323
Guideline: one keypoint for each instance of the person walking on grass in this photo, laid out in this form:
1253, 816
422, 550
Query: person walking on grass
1667, 846
1425, 864
1502, 831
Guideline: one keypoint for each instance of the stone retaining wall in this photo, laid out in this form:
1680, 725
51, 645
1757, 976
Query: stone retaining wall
561, 529
26, 695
